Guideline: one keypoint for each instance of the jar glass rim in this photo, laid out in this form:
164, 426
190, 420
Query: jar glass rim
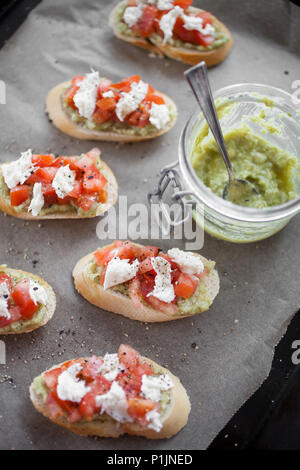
205, 194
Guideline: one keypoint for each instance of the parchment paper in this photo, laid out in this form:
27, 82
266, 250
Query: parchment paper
259, 282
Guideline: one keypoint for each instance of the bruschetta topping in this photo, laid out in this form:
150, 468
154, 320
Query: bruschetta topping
131, 102
134, 392
19, 299
152, 277
37, 182
169, 19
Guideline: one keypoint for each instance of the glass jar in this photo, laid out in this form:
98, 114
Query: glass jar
223, 219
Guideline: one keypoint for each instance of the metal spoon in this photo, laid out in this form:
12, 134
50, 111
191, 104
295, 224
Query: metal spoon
236, 190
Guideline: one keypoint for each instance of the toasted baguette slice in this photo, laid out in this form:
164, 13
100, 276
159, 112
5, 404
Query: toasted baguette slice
187, 56
174, 420
63, 122
118, 303
50, 306
112, 189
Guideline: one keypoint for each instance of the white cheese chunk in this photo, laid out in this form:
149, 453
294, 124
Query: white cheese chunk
168, 21
37, 293
153, 385
4, 291
163, 288
4, 309
111, 367
188, 262
159, 115
153, 420
38, 201
114, 403
130, 101
165, 4
86, 97
133, 14
70, 387
64, 181
108, 94
119, 271
18, 172
196, 23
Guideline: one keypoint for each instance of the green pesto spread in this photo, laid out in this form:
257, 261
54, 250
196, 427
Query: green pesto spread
37, 317
272, 170
199, 302
221, 38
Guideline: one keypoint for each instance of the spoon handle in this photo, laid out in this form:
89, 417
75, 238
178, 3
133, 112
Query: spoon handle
198, 80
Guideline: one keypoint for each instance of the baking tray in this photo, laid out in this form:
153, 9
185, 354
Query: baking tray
232, 359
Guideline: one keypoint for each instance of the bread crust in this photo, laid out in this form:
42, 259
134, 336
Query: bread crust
62, 121
115, 302
50, 306
101, 209
174, 420
187, 56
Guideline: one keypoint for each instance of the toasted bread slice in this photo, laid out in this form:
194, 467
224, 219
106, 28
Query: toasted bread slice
118, 303
49, 308
63, 122
112, 190
174, 420
187, 56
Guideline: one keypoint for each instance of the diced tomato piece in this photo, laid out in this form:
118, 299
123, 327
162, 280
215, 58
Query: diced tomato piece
185, 286
94, 154
51, 377
148, 251
128, 356
194, 36
185, 4
92, 367
87, 407
153, 98
7, 279
103, 195
106, 104
125, 85
19, 194
85, 163
74, 416
71, 161
144, 369
54, 409
138, 118
138, 408
43, 160
145, 26
15, 315
103, 86
69, 96
76, 191
147, 282
131, 383
103, 255
21, 297
93, 181
46, 174
77, 80
64, 201
124, 250
85, 201
157, 304
146, 267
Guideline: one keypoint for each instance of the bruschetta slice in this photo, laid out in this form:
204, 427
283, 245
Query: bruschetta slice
145, 284
26, 301
173, 28
47, 187
93, 108
109, 396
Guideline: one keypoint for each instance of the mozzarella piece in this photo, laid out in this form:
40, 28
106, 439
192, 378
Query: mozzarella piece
108, 94
38, 201
37, 293
4, 309
165, 4
168, 21
163, 288
4, 291
114, 403
111, 367
129, 102
153, 420
119, 271
153, 385
86, 97
159, 115
64, 181
196, 23
188, 262
133, 14
70, 387
18, 172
